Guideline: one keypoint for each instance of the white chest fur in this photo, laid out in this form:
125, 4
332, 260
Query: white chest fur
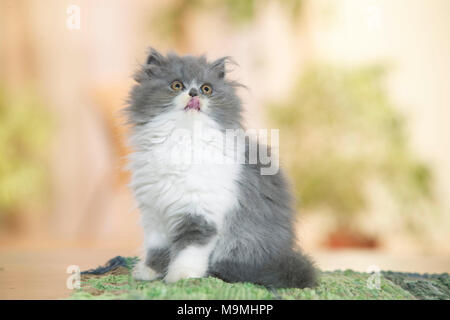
181, 165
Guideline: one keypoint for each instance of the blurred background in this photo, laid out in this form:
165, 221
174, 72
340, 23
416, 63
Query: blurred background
360, 90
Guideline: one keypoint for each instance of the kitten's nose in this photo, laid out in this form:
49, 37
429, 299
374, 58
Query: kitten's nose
193, 92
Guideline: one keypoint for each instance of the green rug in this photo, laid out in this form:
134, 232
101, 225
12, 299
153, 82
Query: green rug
113, 281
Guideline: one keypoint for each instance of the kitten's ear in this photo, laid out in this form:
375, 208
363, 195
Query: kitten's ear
219, 66
153, 62
154, 57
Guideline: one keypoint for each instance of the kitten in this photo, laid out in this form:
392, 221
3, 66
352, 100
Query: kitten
219, 217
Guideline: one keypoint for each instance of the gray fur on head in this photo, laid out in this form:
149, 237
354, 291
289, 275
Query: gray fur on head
230, 222
154, 78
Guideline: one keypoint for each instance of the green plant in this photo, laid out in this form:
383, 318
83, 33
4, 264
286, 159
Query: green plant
24, 132
339, 130
170, 23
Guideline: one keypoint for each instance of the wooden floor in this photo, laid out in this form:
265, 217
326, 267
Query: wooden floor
36, 274
42, 273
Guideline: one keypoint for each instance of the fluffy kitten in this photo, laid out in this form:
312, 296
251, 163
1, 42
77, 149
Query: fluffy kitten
218, 218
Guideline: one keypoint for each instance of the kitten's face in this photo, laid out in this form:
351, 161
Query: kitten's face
188, 85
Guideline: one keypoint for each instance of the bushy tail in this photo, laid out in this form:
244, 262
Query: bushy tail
291, 270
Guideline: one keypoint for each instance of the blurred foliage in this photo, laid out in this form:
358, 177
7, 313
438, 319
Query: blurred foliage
24, 133
339, 131
170, 22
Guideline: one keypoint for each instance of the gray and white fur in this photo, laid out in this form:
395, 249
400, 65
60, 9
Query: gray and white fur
205, 219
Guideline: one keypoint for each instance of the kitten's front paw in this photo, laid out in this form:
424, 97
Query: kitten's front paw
179, 273
144, 273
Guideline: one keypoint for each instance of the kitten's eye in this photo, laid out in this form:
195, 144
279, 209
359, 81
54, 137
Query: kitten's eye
177, 85
206, 89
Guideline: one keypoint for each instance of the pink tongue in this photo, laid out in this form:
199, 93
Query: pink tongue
194, 103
